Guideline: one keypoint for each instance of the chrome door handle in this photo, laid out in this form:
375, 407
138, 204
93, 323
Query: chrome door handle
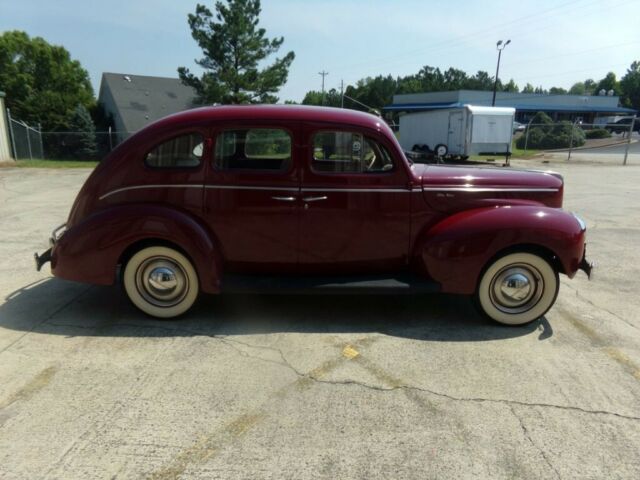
314, 199
285, 199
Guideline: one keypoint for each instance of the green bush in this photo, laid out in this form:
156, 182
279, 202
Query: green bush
598, 133
544, 134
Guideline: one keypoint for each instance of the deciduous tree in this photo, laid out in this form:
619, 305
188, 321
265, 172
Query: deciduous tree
43, 84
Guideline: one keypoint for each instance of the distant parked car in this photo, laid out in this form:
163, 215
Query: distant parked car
518, 127
622, 125
263, 198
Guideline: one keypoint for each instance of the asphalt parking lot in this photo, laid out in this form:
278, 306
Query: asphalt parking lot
318, 387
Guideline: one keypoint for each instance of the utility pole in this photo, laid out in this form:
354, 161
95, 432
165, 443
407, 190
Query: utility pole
341, 93
500, 46
323, 74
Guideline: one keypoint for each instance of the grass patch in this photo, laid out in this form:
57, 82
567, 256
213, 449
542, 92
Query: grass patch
50, 164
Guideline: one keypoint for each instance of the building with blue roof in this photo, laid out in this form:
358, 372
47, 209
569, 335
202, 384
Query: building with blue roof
585, 108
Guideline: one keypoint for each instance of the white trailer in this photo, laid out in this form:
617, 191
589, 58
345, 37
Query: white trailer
464, 131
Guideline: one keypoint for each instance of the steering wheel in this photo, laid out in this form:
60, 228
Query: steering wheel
369, 163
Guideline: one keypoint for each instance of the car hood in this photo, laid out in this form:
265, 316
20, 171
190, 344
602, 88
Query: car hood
448, 188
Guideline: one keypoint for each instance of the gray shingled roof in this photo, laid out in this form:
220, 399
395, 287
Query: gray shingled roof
140, 100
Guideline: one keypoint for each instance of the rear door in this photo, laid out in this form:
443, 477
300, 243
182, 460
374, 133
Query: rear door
251, 196
455, 137
356, 203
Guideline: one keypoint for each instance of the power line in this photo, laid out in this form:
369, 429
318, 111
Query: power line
456, 40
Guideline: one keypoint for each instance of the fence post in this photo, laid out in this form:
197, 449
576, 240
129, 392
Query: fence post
573, 126
626, 150
26, 129
40, 137
526, 138
11, 134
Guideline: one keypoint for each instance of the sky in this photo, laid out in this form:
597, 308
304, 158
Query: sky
553, 42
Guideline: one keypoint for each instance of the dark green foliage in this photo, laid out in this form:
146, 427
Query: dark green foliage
43, 84
233, 46
544, 134
331, 98
598, 133
83, 143
609, 82
630, 86
78, 142
376, 92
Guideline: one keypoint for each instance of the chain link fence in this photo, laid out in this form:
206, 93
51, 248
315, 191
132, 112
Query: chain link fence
26, 141
615, 142
29, 142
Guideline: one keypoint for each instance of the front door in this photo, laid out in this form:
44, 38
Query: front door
251, 197
355, 203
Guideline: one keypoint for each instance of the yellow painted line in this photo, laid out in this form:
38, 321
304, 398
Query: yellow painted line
350, 352
36, 384
624, 360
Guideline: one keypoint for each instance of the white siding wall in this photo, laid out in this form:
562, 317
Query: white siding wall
5, 146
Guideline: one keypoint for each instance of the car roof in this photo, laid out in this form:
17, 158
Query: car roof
273, 112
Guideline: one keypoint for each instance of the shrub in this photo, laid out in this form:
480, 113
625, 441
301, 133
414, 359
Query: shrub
545, 134
598, 133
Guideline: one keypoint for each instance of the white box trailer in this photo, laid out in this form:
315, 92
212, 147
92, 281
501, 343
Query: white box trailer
463, 131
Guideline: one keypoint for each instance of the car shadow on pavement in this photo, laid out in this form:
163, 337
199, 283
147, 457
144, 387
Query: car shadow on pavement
56, 307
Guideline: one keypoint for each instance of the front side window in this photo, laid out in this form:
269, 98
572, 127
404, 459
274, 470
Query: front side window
347, 152
266, 149
182, 151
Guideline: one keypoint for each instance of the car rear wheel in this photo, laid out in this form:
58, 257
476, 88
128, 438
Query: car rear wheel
517, 288
161, 282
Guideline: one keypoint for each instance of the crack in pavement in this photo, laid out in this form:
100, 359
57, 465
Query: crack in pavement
595, 305
525, 431
394, 384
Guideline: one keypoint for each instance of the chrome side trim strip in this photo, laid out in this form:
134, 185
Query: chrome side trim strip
248, 187
142, 187
487, 189
329, 189
358, 190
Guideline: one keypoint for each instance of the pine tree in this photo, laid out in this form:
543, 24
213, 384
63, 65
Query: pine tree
81, 144
233, 46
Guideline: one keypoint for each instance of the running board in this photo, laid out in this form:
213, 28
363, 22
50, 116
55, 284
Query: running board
349, 285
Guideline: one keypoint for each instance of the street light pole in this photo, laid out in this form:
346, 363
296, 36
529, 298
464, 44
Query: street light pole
500, 46
323, 74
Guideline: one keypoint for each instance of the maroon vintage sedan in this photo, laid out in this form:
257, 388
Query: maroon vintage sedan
289, 198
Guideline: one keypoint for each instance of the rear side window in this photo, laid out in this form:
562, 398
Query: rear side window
347, 152
253, 149
182, 151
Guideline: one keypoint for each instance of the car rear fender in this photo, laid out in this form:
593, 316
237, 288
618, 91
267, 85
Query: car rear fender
91, 250
455, 251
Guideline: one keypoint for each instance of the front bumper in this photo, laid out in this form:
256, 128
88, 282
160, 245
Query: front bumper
585, 265
45, 257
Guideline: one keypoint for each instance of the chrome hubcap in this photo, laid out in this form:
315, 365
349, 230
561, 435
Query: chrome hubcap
516, 288
162, 281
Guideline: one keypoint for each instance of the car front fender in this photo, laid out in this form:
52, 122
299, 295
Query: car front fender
455, 250
90, 250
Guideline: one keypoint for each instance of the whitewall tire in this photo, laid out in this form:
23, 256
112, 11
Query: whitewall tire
517, 288
161, 282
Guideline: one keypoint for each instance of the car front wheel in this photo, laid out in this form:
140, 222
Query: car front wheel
161, 282
517, 288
